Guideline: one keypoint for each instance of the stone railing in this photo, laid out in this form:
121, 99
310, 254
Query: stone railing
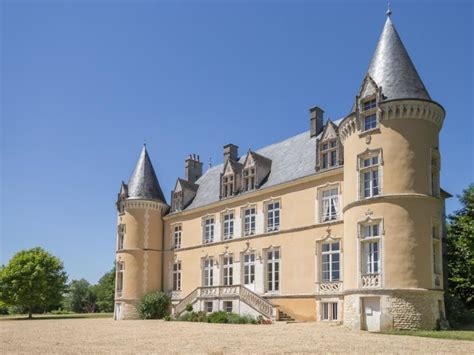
260, 304
370, 280
328, 287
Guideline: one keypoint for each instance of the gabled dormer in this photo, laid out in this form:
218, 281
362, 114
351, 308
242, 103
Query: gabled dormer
183, 194
329, 150
121, 197
255, 170
230, 178
366, 105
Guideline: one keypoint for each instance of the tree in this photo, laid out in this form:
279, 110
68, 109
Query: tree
460, 248
33, 278
81, 297
154, 305
105, 292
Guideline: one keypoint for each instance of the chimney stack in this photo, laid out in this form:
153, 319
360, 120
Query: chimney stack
231, 152
316, 119
193, 168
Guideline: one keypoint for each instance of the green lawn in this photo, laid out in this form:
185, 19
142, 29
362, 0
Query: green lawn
57, 316
440, 334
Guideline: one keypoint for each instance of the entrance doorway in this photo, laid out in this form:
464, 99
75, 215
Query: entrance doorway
371, 313
118, 311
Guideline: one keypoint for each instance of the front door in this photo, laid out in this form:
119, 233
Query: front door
371, 307
118, 311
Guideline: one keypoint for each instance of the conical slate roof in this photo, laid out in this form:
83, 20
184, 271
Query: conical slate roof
143, 183
392, 69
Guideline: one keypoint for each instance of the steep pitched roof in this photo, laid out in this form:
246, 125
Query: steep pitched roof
185, 184
392, 69
143, 183
291, 159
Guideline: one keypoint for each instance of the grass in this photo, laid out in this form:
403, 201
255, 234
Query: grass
56, 316
439, 334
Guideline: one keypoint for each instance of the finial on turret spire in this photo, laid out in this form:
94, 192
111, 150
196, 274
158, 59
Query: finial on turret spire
389, 9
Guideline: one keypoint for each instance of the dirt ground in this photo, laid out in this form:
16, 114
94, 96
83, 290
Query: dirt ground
73, 336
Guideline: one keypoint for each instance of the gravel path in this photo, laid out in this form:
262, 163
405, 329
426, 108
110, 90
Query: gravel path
72, 336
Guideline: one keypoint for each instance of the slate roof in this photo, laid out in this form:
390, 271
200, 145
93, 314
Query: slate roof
392, 69
188, 185
143, 183
291, 159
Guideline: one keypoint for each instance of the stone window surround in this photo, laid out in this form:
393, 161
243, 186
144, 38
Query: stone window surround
121, 236
242, 217
370, 152
204, 269
330, 164
173, 231
366, 113
229, 267
176, 277
222, 220
332, 299
369, 220
265, 269
318, 262
434, 187
119, 276
318, 207
437, 277
256, 257
212, 229
265, 217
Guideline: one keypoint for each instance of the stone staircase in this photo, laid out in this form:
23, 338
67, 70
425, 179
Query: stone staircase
261, 305
283, 317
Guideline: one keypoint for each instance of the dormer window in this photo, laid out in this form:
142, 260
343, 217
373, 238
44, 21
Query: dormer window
328, 151
249, 178
368, 105
177, 201
370, 122
228, 186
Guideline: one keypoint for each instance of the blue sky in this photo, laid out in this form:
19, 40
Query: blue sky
84, 84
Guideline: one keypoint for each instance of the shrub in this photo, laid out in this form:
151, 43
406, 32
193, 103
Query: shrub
3, 308
167, 318
457, 313
154, 306
218, 317
189, 308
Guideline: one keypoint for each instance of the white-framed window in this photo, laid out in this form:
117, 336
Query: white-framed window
121, 237
177, 233
120, 270
249, 220
370, 175
328, 154
228, 306
329, 204
435, 172
370, 248
249, 178
208, 272
370, 122
249, 268
208, 230
369, 104
329, 311
177, 200
273, 216
177, 276
228, 270
330, 262
228, 185
209, 306
228, 225
273, 270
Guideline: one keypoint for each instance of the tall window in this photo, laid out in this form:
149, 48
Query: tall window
273, 270
330, 262
208, 272
435, 169
371, 249
249, 221
369, 174
177, 236
208, 230
249, 269
228, 270
436, 245
177, 276
370, 122
121, 237
228, 225
249, 178
120, 270
328, 154
273, 216
177, 200
329, 202
228, 185
329, 311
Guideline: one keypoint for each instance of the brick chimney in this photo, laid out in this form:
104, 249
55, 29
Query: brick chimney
231, 152
193, 168
316, 119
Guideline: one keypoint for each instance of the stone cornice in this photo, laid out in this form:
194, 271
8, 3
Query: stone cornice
145, 204
382, 198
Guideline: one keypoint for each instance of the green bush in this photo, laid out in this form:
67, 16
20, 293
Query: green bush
167, 318
189, 308
218, 317
3, 308
154, 306
457, 313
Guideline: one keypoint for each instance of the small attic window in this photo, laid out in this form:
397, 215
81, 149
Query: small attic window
177, 201
370, 104
249, 178
329, 154
228, 185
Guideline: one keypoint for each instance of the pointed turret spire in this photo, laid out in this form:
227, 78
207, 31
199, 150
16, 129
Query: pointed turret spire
392, 69
143, 183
